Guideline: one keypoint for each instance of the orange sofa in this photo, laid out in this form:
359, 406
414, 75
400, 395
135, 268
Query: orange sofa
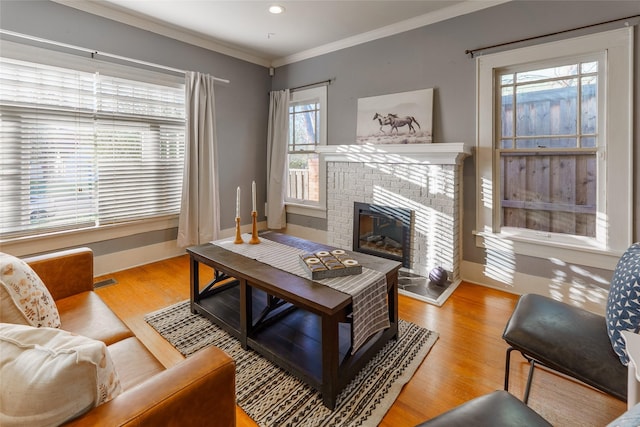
197, 391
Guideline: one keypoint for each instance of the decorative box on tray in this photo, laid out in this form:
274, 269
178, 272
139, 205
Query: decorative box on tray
326, 264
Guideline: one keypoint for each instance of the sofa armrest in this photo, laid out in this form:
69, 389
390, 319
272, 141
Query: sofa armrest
196, 392
65, 273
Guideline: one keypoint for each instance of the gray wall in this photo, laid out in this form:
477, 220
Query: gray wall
434, 57
431, 56
241, 106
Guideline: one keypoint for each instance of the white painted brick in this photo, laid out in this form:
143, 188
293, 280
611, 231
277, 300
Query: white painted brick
435, 189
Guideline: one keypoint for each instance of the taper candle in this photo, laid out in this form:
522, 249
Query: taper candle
238, 203
253, 195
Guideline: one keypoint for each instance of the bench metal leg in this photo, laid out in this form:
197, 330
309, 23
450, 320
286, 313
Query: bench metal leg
532, 362
506, 369
530, 377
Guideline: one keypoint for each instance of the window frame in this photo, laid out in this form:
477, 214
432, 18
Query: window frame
615, 205
579, 135
308, 207
52, 238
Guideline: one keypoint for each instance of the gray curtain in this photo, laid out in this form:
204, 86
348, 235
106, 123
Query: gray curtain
276, 157
200, 209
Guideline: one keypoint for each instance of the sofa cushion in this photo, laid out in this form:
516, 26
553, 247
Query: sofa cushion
134, 361
24, 299
50, 376
623, 304
87, 314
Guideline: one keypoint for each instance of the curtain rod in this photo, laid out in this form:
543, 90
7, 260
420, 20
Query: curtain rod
473, 51
322, 83
93, 53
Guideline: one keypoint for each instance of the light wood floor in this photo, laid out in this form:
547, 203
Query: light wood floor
467, 360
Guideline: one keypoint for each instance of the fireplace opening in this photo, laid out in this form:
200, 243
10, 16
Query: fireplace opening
383, 231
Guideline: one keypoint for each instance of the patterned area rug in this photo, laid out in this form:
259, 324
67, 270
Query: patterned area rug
272, 397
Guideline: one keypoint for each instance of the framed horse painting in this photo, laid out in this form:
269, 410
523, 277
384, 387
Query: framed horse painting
397, 118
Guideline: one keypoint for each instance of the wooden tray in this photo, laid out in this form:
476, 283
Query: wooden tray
327, 264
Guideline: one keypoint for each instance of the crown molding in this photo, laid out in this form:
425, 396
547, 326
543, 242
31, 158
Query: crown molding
95, 8
453, 11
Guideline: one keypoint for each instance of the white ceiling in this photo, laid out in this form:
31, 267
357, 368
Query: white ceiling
307, 28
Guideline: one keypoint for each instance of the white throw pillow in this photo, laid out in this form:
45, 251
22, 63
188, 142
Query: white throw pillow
24, 299
50, 376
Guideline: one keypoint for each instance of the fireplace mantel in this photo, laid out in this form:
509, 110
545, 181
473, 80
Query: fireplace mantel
437, 153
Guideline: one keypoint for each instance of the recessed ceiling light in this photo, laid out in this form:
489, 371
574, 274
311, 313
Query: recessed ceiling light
276, 9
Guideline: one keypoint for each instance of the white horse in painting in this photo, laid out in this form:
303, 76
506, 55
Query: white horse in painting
383, 120
395, 122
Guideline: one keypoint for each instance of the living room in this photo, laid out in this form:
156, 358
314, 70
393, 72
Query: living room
431, 56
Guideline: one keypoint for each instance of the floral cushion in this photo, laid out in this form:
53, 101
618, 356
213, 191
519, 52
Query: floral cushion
24, 299
50, 376
623, 304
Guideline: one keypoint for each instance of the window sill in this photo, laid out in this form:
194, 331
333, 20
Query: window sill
65, 239
572, 253
306, 210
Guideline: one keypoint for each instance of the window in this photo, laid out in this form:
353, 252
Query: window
547, 144
307, 130
554, 149
85, 144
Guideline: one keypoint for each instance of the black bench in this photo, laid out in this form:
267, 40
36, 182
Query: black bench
565, 339
497, 409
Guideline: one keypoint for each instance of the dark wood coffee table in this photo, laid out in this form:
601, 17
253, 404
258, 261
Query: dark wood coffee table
300, 325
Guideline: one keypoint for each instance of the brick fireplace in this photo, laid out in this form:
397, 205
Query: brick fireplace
423, 178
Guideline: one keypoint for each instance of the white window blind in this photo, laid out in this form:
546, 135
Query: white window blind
84, 148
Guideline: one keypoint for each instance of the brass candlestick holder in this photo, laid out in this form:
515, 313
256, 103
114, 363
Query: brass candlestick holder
254, 233
238, 236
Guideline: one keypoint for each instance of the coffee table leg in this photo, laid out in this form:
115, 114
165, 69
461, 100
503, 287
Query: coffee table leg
246, 312
330, 361
194, 273
393, 308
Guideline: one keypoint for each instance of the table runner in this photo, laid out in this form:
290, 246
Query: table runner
368, 290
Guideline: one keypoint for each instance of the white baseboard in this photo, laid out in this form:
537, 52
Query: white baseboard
312, 234
122, 260
589, 297
135, 257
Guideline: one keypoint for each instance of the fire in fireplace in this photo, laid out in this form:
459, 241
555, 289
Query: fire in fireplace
383, 231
